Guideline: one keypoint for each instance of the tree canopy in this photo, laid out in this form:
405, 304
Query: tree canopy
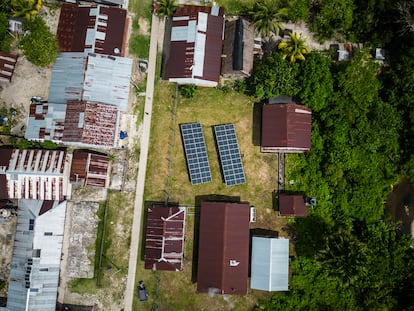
267, 16
294, 48
26, 8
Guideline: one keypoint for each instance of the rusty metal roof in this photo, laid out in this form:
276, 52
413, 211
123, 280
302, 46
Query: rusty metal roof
292, 205
164, 242
7, 64
94, 28
35, 174
286, 127
223, 255
196, 45
89, 169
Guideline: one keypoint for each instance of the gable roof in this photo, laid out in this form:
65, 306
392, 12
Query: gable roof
75, 123
92, 29
7, 65
164, 242
292, 205
196, 44
35, 174
270, 264
223, 255
286, 127
89, 169
91, 77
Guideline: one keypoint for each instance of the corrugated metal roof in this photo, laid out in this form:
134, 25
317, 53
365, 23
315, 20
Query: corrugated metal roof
270, 264
7, 64
286, 127
223, 256
89, 169
90, 29
292, 205
196, 44
37, 251
165, 233
36, 174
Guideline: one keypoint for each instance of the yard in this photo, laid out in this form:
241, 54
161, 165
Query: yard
209, 107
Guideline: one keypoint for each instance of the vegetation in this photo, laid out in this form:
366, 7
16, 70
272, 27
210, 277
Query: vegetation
39, 45
166, 8
26, 8
139, 45
294, 48
188, 90
267, 16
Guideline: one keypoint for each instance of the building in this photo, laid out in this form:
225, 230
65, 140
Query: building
91, 77
293, 205
196, 45
16, 25
164, 238
223, 253
270, 264
239, 47
34, 275
92, 29
7, 65
34, 174
89, 169
77, 123
286, 126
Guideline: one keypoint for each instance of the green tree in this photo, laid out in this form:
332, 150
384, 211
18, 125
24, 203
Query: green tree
4, 25
294, 48
26, 8
166, 8
39, 45
267, 16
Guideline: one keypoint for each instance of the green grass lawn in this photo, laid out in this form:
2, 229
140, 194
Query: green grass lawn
209, 107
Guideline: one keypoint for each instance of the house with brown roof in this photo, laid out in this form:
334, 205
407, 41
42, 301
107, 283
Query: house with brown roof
92, 29
89, 169
196, 45
286, 126
7, 65
293, 205
239, 47
164, 238
77, 123
33, 174
223, 253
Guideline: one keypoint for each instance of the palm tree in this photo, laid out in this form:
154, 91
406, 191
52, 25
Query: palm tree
406, 20
294, 49
267, 15
26, 8
166, 8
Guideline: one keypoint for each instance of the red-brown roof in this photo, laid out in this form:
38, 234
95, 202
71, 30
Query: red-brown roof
292, 205
164, 241
89, 169
7, 64
183, 57
105, 29
286, 127
223, 256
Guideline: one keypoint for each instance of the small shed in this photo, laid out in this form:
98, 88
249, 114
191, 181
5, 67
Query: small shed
164, 240
270, 264
223, 253
292, 205
7, 65
286, 126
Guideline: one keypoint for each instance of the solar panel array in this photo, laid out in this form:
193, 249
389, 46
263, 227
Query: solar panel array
230, 158
196, 153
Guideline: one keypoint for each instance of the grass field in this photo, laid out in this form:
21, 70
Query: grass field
209, 107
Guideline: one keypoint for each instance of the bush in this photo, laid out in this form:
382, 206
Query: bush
188, 90
139, 46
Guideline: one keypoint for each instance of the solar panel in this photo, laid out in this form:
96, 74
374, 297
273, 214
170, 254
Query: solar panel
230, 159
195, 153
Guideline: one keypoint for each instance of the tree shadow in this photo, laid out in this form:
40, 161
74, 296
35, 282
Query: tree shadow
196, 234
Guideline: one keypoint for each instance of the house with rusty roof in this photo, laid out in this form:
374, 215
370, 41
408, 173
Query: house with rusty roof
92, 29
89, 169
164, 238
240, 45
196, 44
76, 123
286, 126
7, 65
223, 252
34, 174
91, 77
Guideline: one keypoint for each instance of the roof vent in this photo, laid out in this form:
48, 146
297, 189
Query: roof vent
234, 263
117, 51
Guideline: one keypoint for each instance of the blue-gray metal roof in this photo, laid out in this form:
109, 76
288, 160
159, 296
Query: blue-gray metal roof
270, 264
